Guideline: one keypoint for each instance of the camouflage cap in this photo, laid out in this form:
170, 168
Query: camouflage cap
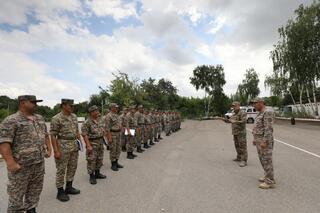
140, 106
67, 101
114, 105
235, 103
93, 108
257, 100
31, 98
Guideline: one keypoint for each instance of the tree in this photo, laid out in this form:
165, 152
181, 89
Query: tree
249, 88
296, 56
211, 79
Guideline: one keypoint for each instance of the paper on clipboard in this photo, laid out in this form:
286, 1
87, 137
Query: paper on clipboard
105, 141
132, 131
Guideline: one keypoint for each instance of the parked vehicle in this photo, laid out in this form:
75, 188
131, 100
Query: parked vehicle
251, 113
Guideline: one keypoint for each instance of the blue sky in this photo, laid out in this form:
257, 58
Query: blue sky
66, 48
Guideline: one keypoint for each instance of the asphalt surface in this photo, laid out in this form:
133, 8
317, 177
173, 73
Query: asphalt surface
192, 171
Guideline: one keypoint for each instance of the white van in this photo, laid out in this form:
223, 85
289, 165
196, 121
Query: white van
251, 114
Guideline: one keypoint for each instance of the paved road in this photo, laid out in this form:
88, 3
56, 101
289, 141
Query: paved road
192, 171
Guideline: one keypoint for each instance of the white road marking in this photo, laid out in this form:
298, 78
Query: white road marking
294, 147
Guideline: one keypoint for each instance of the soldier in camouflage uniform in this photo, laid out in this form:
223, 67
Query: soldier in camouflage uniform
64, 133
148, 129
24, 143
238, 122
139, 117
263, 140
160, 122
113, 129
132, 124
92, 131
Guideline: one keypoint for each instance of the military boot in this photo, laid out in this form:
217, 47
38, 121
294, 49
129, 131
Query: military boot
156, 140
92, 179
33, 210
118, 165
139, 149
124, 149
62, 196
130, 156
159, 137
134, 155
265, 185
70, 190
146, 146
243, 164
114, 166
98, 175
151, 143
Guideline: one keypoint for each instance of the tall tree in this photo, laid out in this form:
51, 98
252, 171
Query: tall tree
211, 79
249, 88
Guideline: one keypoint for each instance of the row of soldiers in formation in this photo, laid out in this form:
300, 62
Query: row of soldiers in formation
25, 142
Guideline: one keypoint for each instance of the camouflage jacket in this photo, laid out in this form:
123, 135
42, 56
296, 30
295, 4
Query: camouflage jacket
147, 119
239, 121
132, 122
263, 129
113, 122
140, 118
92, 128
26, 136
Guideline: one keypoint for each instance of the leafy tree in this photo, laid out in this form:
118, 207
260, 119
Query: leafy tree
211, 79
249, 88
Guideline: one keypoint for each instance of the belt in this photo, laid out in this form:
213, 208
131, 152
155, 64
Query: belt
115, 130
61, 138
98, 138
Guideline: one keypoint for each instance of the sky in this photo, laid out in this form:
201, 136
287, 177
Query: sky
67, 48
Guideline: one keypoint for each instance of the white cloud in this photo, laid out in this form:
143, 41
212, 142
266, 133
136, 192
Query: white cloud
21, 75
114, 8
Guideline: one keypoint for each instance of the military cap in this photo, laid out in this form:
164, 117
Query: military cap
132, 107
93, 108
31, 98
235, 103
140, 106
257, 100
114, 105
67, 101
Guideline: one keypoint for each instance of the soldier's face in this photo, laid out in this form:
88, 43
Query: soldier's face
29, 106
259, 106
114, 109
95, 114
68, 108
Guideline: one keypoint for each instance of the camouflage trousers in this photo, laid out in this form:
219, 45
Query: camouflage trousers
95, 159
139, 136
240, 143
159, 129
124, 140
25, 187
146, 136
115, 146
66, 167
131, 143
167, 129
265, 157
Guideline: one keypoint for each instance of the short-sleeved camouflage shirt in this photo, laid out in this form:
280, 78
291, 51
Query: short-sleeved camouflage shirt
112, 122
92, 128
140, 118
26, 136
64, 127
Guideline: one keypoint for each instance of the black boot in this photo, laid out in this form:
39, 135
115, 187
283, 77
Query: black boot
151, 143
139, 149
124, 149
156, 140
130, 156
92, 179
118, 165
70, 190
62, 196
114, 166
134, 155
33, 210
146, 146
98, 175
159, 137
